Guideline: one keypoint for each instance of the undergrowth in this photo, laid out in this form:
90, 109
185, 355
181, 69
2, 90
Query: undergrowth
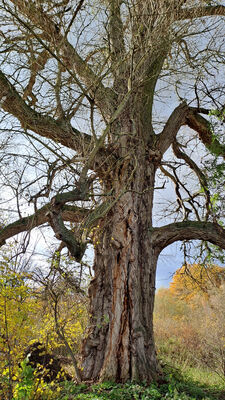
175, 387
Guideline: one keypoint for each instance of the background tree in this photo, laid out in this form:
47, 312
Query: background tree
189, 330
194, 279
17, 316
89, 137
45, 309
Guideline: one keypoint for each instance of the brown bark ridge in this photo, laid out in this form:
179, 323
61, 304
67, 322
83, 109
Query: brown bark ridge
120, 345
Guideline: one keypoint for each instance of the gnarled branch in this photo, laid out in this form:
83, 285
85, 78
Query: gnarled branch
74, 244
175, 121
185, 115
188, 230
69, 213
43, 125
71, 59
200, 12
198, 123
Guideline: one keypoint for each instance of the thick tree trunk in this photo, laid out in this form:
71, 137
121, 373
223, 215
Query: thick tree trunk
120, 346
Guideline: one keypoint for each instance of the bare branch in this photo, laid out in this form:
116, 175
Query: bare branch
117, 45
200, 12
69, 213
205, 131
36, 65
184, 115
78, 8
189, 230
46, 126
175, 121
202, 179
180, 201
71, 59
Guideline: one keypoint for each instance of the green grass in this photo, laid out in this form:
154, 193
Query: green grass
177, 386
180, 381
204, 376
189, 366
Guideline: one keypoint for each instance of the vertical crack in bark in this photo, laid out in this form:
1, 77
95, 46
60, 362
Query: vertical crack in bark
125, 350
124, 360
126, 317
120, 345
129, 301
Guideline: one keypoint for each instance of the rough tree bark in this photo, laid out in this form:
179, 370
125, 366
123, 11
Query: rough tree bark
121, 343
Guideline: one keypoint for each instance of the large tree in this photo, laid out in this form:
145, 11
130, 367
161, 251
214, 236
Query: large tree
103, 103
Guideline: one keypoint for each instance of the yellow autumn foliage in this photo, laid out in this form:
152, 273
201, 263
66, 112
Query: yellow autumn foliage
190, 280
26, 317
190, 327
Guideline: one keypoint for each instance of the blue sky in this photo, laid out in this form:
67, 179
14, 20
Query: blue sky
169, 261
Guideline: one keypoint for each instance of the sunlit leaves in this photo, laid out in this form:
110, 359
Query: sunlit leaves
27, 315
190, 331
196, 279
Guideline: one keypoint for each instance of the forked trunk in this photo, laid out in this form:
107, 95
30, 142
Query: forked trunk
120, 346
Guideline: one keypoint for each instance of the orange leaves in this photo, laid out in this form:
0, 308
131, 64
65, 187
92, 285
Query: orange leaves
190, 328
191, 280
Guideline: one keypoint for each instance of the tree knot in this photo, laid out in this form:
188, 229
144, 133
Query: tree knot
154, 156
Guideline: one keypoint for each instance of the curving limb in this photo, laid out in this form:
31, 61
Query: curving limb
200, 12
190, 116
201, 177
173, 124
204, 129
71, 59
188, 230
74, 244
41, 216
43, 125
